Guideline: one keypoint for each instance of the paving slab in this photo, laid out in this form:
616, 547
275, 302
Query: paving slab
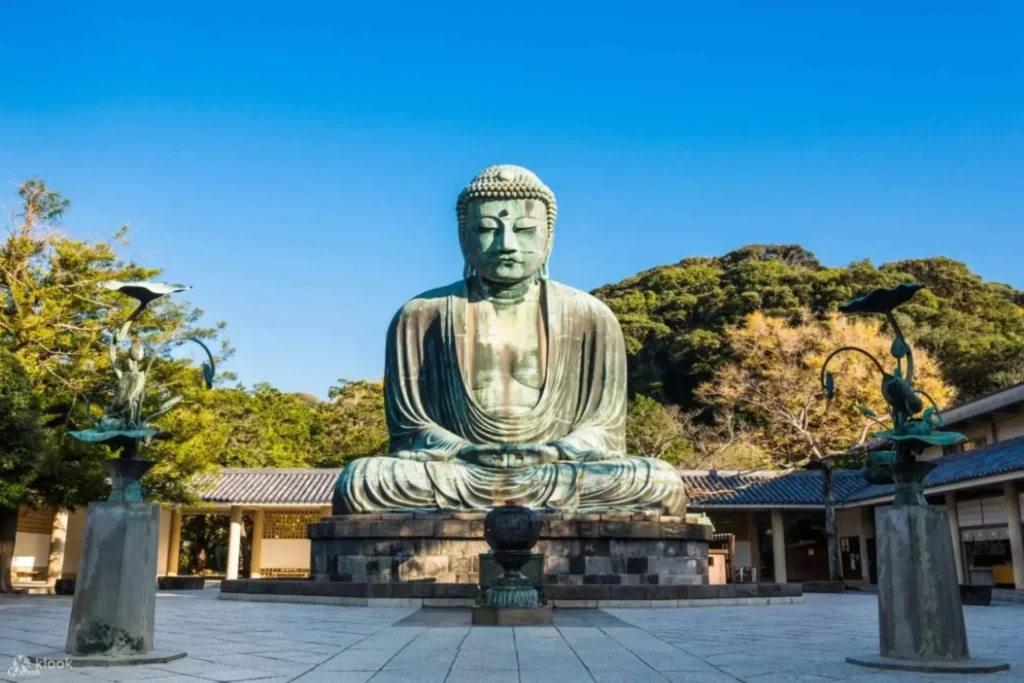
231, 641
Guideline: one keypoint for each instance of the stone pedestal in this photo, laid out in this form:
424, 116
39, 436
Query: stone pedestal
920, 618
504, 616
620, 549
115, 593
919, 611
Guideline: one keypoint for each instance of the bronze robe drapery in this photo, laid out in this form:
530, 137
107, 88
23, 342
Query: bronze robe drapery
432, 415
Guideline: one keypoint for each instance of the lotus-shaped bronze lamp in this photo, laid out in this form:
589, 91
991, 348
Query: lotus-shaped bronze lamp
908, 434
123, 427
882, 300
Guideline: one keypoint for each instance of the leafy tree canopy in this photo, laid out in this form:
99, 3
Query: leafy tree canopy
674, 317
772, 380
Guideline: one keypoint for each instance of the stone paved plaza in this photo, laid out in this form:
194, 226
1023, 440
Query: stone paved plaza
280, 643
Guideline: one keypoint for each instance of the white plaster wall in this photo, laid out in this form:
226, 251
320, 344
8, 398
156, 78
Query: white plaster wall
285, 553
1010, 427
162, 539
31, 550
73, 541
848, 522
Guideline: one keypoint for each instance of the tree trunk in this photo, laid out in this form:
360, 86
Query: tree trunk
8, 533
245, 566
58, 538
834, 571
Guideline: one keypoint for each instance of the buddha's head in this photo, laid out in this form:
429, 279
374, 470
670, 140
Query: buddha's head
506, 224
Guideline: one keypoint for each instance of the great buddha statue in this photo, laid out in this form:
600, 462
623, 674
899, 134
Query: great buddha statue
506, 384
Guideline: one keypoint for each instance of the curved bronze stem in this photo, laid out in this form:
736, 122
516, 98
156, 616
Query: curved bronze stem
824, 366
909, 377
210, 369
938, 411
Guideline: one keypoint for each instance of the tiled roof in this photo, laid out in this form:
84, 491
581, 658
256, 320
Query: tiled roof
1000, 457
765, 488
269, 486
705, 488
997, 400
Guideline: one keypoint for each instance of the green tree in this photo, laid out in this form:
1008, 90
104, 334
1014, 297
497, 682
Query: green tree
655, 430
354, 423
674, 316
54, 318
772, 380
21, 453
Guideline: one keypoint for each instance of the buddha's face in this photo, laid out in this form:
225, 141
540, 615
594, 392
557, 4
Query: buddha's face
506, 240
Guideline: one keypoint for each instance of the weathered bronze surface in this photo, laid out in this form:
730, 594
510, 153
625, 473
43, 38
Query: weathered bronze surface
123, 427
908, 433
506, 384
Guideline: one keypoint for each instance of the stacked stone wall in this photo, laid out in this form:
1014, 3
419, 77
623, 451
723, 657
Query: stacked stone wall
610, 549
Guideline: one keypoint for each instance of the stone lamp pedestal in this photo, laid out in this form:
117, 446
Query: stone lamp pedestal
920, 618
115, 591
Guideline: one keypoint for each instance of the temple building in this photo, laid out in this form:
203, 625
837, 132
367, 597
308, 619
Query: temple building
769, 524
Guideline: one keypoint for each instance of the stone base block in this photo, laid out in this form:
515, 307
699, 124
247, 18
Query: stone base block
461, 594
824, 587
115, 594
920, 618
496, 616
181, 583
975, 595
613, 549
76, 661
970, 666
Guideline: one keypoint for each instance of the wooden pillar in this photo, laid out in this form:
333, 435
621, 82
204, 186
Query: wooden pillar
174, 543
867, 520
255, 560
58, 535
779, 546
1016, 541
755, 544
953, 515
234, 541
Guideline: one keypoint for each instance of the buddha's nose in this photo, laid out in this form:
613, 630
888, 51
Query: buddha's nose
509, 243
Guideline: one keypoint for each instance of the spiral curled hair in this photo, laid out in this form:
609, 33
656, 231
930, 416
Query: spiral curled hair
506, 181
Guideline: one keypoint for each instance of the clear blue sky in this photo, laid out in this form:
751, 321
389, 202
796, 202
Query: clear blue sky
298, 163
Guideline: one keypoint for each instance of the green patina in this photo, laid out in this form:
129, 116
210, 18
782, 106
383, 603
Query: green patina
123, 427
506, 384
913, 427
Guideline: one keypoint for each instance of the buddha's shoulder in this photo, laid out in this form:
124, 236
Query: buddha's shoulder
580, 299
431, 301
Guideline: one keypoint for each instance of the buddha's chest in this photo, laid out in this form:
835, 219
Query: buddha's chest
506, 349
